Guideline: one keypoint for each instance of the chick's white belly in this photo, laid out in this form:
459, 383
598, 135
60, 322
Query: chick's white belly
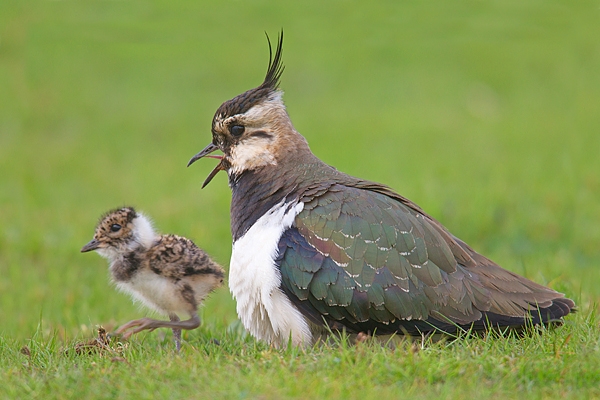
155, 292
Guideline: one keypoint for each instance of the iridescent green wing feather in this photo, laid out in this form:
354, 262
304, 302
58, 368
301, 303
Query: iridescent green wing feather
359, 256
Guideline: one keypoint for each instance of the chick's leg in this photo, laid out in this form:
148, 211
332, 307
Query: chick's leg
176, 332
149, 324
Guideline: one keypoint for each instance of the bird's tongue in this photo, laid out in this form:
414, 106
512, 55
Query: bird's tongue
215, 171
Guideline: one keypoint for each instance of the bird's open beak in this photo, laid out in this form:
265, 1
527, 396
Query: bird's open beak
92, 245
207, 150
205, 153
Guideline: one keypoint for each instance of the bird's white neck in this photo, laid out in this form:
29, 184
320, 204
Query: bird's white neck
143, 232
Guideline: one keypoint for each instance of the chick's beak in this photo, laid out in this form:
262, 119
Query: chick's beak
92, 245
205, 153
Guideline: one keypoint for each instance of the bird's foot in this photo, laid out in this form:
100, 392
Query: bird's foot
362, 337
143, 324
138, 325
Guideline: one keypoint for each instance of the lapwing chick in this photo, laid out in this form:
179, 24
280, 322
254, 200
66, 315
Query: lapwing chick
316, 250
167, 273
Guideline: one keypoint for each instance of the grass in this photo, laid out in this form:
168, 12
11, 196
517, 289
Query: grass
548, 365
482, 112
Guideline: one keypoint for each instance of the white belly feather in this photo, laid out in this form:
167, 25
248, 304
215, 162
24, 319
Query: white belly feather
155, 292
254, 281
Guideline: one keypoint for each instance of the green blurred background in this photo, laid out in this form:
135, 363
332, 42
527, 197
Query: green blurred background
486, 113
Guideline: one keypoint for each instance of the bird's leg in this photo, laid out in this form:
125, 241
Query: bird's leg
150, 324
176, 332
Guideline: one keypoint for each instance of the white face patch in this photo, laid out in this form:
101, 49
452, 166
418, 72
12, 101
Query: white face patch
251, 153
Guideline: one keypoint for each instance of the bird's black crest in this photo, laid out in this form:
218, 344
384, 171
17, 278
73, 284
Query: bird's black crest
243, 102
276, 66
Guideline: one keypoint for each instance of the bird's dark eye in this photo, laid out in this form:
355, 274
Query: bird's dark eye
236, 130
115, 227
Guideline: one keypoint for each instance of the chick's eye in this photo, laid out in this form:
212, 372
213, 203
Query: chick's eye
236, 130
115, 227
